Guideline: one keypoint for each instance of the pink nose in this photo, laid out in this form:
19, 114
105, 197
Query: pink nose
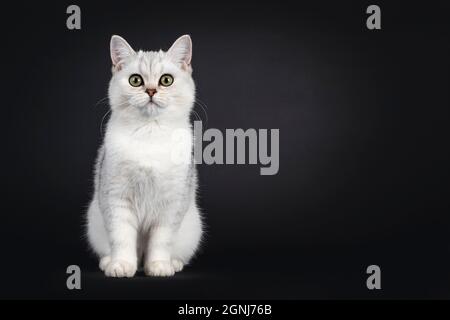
151, 92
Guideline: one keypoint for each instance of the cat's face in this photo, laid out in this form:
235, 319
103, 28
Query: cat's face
150, 85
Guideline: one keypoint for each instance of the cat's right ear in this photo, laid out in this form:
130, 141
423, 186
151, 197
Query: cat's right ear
120, 51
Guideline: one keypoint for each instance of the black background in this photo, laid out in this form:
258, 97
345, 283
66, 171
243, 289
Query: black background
364, 154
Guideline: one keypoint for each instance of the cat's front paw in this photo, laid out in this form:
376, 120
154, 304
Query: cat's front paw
120, 269
159, 269
104, 262
178, 265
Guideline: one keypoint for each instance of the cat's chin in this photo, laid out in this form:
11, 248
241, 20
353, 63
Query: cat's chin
151, 109
152, 104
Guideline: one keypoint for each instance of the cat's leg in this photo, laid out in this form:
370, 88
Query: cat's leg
170, 248
96, 234
187, 238
122, 231
158, 260
157, 257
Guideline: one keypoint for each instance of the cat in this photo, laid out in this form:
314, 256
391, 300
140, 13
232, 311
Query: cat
144, 205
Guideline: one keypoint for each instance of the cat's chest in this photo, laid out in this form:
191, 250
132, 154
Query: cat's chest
146, 176
155, 154
146, 190
163, 153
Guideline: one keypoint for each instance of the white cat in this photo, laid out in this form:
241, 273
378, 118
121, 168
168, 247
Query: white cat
144, 205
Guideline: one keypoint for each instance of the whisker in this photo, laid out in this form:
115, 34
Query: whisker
101, 101
204, 111
101, 123
199, 100
196, 115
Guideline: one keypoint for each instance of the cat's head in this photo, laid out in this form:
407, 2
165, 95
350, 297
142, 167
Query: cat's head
152, 84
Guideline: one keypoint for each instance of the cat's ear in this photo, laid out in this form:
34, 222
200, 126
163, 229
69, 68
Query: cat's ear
181, 52
120, 50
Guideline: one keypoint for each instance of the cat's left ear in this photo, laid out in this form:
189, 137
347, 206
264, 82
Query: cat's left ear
181, 52
120, 51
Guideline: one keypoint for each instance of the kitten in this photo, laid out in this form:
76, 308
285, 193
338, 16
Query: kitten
144, 205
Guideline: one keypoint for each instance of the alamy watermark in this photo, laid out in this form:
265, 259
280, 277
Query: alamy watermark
73, 21
374, 280
373, 22
236, 146
73, 281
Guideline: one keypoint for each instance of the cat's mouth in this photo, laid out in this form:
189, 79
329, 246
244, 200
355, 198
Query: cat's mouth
149, 107
152, 104
152, 109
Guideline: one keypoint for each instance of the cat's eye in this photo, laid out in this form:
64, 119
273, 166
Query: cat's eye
136, 80
166, 80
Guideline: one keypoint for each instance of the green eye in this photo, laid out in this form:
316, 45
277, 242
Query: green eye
166, 80
136, 80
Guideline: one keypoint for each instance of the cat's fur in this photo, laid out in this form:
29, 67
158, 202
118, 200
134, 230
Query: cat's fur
144, 205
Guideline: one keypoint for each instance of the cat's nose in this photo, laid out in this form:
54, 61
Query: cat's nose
151, 92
